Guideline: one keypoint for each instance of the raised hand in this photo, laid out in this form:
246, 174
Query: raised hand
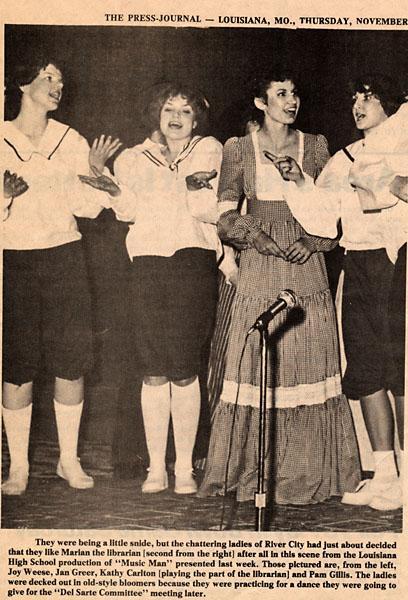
102, 149
200, 179
300, 251
264, 244
287, 167
102, 183
13, 185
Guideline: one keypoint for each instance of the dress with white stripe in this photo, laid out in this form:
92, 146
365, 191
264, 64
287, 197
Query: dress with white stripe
312, 452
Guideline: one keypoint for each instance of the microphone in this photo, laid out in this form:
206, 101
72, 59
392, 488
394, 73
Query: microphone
286, 299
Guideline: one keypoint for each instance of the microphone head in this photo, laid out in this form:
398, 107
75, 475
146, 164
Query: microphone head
289, 297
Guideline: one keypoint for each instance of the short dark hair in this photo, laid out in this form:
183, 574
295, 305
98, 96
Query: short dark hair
262, 82
275, 73
159, 95
23, 73
386, 89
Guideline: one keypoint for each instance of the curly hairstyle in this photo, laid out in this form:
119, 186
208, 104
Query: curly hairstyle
386, 89
162, 92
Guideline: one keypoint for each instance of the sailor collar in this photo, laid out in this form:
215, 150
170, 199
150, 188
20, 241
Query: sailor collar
52, 138
154, 151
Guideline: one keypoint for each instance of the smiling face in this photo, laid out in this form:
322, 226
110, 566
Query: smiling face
45, 91
367, 109
282, 102
177, 119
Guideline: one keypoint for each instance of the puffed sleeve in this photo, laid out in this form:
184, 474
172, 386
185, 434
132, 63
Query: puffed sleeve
322, 154
322, 157
232, 226
203, 204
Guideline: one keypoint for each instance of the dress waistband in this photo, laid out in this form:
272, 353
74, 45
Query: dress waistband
270, 210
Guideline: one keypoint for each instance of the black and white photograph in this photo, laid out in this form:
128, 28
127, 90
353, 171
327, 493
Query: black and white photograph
204, 278
204, 299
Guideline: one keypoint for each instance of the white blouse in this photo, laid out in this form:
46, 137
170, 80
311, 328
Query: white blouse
44, 215
319, 207
384, 156
165, 216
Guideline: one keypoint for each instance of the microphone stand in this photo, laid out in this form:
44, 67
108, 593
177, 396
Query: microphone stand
260, 495
287, 299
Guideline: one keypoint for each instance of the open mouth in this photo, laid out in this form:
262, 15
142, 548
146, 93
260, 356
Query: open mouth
291, 112
175, 125
359, 116
55, 96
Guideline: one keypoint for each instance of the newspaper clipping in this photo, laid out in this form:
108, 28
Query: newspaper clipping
161, 103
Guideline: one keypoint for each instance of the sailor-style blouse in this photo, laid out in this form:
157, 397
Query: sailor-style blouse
319, 207
44, 215
165, 217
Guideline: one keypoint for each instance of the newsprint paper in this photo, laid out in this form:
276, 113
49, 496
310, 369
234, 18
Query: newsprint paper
129, 45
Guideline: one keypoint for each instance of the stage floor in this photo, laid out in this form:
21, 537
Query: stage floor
49, 503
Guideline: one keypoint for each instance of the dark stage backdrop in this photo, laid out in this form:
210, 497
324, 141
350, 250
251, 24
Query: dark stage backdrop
108, 69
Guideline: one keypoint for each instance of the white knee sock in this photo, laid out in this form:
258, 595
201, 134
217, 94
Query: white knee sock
185, 413
17, 424
156, 416
385, 468
68, 419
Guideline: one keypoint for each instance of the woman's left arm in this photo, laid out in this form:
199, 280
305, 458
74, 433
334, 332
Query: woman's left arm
314, 243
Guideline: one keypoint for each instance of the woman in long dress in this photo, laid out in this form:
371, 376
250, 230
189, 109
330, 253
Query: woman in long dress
311, 451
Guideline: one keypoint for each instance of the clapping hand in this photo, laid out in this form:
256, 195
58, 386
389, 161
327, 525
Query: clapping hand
102, 149
102, 183
287, 167
200, 179
13, 185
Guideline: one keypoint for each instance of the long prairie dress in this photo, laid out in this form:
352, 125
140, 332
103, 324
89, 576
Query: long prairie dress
311, 449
